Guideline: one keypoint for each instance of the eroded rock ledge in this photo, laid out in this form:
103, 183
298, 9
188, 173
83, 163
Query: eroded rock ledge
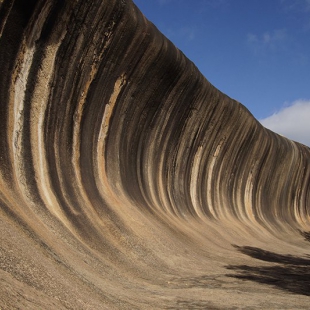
126, 177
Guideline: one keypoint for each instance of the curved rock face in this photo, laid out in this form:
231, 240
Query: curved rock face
127, 181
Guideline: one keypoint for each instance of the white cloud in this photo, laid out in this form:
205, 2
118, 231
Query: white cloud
214, 3
296, 5
269, 40
164, 2
292, 121
185, 34
188, 33
252, 38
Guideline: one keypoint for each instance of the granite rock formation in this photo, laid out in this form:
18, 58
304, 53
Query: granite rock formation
127, 181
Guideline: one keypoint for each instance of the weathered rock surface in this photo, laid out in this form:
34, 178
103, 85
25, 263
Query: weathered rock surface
127, 181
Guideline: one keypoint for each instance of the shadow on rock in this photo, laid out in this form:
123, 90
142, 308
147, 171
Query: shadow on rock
306, 235
194, 305
287, 272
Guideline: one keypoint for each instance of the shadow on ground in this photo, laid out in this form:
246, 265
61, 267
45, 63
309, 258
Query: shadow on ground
286, 272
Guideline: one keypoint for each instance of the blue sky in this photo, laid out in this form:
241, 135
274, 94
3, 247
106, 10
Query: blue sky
255, 51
